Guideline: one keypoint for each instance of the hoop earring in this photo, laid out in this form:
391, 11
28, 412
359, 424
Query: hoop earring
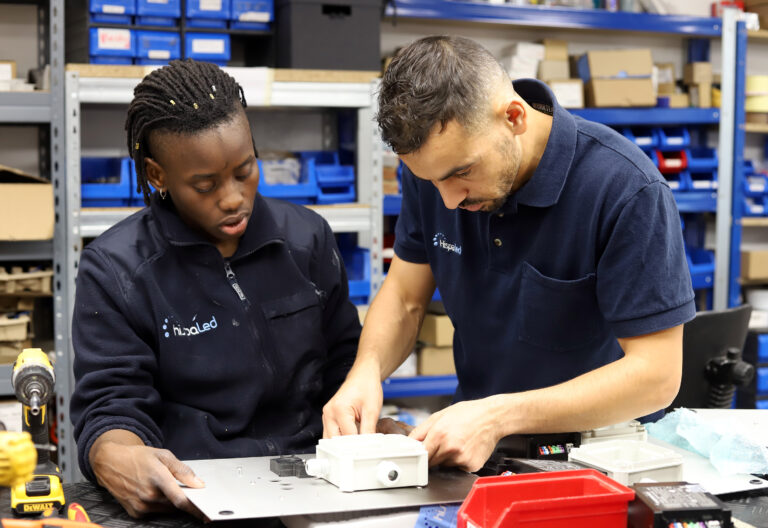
163, 192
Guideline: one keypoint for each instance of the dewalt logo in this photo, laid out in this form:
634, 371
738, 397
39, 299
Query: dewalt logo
38, 507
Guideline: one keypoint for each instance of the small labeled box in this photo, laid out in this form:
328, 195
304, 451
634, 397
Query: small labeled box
209, 47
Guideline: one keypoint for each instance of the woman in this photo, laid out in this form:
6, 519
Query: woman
214, 323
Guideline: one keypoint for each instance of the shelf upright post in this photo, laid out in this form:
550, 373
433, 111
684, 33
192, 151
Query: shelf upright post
67, 246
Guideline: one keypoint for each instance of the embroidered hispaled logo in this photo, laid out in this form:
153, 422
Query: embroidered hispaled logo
441, 241
194, 329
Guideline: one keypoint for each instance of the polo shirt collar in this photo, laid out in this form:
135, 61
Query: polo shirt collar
262, 228
548, 180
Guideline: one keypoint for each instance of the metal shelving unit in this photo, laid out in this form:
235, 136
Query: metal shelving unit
44, 109
364, 217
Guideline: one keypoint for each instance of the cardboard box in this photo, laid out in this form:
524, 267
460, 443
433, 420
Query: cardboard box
26, 206
436, 361
555, 50
520, 67
620, 93
9, 351
528, 50
754, 264
760, 118
7, 70
616, 64
761, 8
701, 95
665, 78
408, 368
553, 69
14, 328
678, 100
568, 92
436, 330
697, 73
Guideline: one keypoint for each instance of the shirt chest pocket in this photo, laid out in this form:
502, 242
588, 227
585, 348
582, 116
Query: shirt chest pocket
557, 314
295, 325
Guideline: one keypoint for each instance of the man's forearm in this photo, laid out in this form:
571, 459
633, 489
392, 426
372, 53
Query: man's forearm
389, 333
636, 385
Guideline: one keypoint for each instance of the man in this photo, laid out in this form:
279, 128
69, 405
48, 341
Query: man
555, 244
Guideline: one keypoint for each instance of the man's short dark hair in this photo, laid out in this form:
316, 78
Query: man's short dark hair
435, 80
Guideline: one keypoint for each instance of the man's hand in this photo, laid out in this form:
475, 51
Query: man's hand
358, 401
464, 435
142, 479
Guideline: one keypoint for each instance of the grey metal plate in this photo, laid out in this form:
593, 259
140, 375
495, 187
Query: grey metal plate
245, 488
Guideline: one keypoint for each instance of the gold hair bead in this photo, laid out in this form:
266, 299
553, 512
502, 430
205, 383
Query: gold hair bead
173, 102
195, 106
137, 145
212, 97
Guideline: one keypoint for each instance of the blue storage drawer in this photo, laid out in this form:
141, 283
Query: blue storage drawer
157, 47
644, 137
702, 159
357, 262
211, 47
303, 192
701, 264
761, 381
252, 14
762, 348
105, 182
762, 404
99, 59
111, 42
755, 184
158, 12
678, 181
754, 206
674, 138
112, 11
208, 13
335, 182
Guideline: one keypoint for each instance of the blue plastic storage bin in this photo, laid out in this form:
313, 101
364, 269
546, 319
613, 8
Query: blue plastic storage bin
756, 184
208, 13
678, 181
702, 181
210, 47
357, 261
761, 404
335, 182
761, 381
754, 205
701, 264
164, 13
99, 59
762, 348
105, 182
112, 11
252, 14
674, 138
157, 47
304, 192
644, 137
702, 165
111, 42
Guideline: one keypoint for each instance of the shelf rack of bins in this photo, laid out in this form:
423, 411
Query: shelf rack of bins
286, 89
730, 118
43, 108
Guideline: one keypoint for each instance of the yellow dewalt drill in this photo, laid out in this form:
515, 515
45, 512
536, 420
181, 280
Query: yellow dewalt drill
33, 380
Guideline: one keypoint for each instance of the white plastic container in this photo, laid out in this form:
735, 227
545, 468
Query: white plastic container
373, 461
630, 461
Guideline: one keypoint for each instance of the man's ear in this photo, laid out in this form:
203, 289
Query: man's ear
155, 174
516, 116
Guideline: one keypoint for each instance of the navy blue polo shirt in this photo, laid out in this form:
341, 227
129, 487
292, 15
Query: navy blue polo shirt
589, 250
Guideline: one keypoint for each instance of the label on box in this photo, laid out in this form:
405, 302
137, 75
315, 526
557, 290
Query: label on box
674, 141
641, 141
6, 71
208, 46
255, 16
210, 5
164, 2
159, 54
114, 39
702, 184
113, 9
673, 184
674, 163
